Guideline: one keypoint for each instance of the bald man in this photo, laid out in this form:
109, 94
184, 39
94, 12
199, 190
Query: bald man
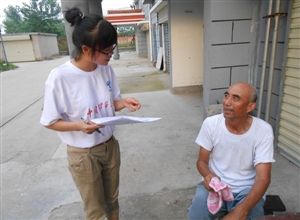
237, 148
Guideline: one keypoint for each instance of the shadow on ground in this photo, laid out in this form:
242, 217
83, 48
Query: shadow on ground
136, 75
165, 205
144, 82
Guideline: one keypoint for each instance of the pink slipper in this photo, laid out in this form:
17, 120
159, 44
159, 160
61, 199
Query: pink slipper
215, 198
214, 202
227, 194
216, 184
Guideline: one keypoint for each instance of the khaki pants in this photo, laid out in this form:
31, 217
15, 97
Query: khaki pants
95, 172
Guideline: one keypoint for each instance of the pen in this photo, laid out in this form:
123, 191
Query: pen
86, 121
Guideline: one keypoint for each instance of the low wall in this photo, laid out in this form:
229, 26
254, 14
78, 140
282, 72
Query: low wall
44, 45
26, 47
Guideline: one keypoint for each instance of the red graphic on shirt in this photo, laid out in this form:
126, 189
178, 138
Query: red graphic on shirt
90, 112
98, 108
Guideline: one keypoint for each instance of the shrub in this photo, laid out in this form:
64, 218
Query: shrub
62, 44
3, 66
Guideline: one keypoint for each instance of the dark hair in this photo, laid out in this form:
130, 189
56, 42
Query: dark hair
90, 30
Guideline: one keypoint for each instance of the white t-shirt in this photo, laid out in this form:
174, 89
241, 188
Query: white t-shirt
71, 93
234, 157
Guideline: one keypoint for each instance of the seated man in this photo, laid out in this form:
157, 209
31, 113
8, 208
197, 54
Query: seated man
237, 149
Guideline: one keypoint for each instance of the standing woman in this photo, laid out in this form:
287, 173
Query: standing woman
86, 88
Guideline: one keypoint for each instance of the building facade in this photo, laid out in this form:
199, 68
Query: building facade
228, 41
213, 44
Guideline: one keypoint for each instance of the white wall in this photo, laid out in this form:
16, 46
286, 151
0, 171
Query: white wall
24, 47
18, 48
186, 30
45, 45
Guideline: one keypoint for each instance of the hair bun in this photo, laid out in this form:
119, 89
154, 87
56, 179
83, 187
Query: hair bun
74, 16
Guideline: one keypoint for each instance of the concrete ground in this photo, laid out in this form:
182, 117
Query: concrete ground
158, 173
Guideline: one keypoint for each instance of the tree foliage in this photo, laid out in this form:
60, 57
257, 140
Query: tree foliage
43, 16
13, 22
125, 31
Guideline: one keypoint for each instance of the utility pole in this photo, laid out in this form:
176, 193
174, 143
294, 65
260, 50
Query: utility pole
3, 46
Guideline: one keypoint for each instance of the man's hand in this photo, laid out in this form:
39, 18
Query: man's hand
235, 214
207, 180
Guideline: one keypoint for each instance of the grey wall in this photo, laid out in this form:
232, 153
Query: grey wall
141, 41
280, 56
141, 36
154, 27
44, 45
167, 46
155, 36
227, 40
234, 41
145, 8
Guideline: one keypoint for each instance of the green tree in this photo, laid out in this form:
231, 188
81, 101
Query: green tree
125, 31
13, 22
38, 16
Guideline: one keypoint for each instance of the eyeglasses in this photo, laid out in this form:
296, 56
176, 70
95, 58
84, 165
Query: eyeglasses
109, 53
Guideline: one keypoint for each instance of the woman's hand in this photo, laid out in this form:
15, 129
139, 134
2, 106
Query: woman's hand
85, 126
132, 104
88, 126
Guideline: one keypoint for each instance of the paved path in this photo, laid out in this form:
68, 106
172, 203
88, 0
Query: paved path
138, 75
158, 174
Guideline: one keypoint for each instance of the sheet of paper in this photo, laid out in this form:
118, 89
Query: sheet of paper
121, 120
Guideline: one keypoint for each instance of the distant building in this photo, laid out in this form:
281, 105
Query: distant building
29, 47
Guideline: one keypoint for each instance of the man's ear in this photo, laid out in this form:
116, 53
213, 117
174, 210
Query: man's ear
251, 107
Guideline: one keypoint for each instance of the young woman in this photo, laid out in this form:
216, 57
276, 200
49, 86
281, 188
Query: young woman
82, 89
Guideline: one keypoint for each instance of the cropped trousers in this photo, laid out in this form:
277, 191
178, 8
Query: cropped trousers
95, 172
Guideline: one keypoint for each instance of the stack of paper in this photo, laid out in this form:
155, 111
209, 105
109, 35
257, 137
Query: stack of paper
121, 120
